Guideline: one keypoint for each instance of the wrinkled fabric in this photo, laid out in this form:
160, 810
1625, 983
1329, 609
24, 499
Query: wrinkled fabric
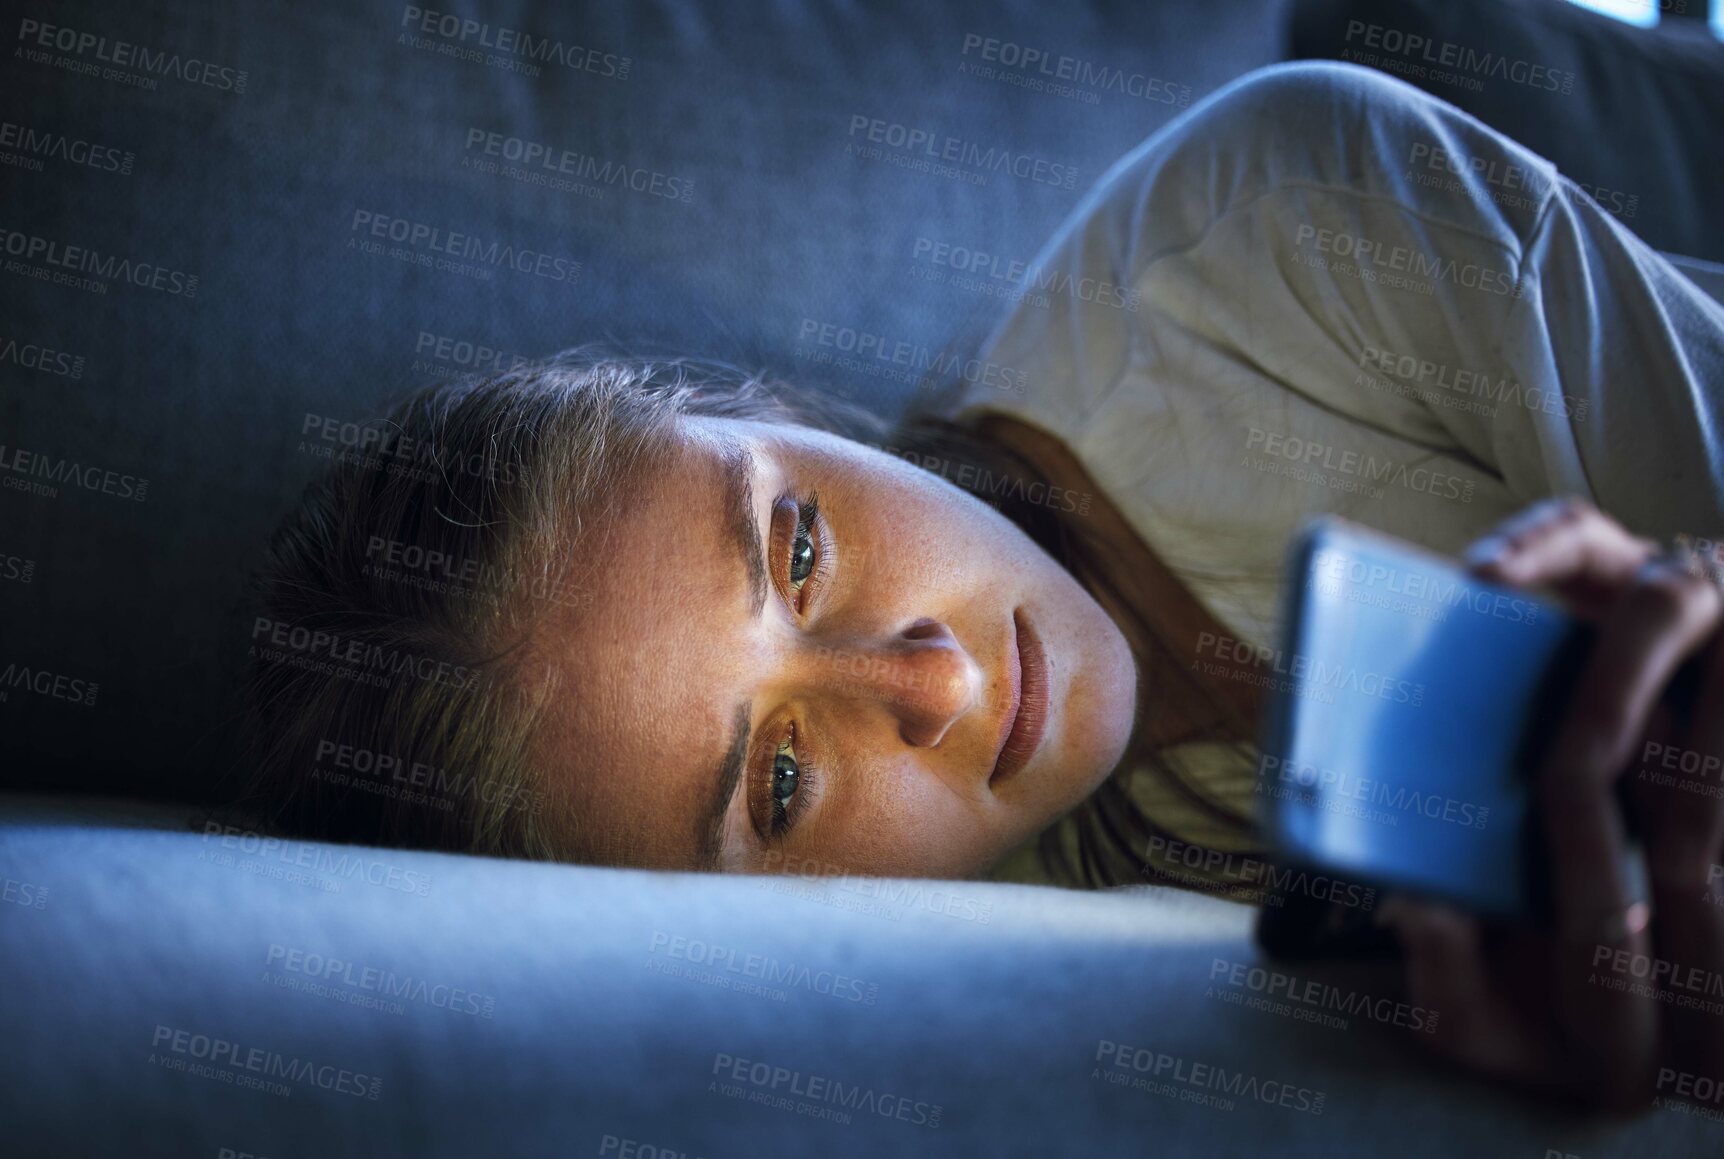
1323, 291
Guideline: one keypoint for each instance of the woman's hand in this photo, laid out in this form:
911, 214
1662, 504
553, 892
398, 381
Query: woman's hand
1621, 1001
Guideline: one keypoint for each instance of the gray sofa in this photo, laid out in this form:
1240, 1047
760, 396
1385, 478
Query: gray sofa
355, 120
690, 177
201, 993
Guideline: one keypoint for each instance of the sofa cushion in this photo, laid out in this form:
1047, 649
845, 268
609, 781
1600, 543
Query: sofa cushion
733, 181
177, 993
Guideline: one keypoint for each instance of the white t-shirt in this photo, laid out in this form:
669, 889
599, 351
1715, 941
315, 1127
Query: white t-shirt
1322, 291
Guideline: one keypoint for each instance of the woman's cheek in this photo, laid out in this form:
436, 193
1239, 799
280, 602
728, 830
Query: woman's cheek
934, 830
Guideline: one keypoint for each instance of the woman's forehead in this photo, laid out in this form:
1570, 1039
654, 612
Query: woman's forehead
645, 661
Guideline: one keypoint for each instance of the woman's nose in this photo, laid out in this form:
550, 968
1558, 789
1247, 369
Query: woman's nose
921, 675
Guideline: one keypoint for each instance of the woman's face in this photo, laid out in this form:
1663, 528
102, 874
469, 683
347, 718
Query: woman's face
899, 683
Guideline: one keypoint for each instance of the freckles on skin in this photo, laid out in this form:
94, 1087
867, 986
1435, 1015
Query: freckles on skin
640, 682
898, 821
656, 664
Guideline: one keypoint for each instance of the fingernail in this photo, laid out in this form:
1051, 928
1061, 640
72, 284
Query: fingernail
1490, 551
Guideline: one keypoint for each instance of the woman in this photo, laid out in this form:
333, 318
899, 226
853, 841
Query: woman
651, 615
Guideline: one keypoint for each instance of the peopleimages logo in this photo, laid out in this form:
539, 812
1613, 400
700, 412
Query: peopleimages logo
467, 578
71, 260
17, 568
386, 448
1613, 201
33, 144
440, 245
908, 362
34, 356
1344, 677
1460, 388
1671, 982
44, 682
1040, 280
1332, 783
1690, 1093
992, 485
930, 147
1423, 56
1308, 1000
257, 1061
893, 897
1676, 759
123, 54
434, 353
1167, 860
1489, 170
788, 1089
550, 159
335, 861
1196, 1082
727, 960
23, 893
1352, 470
1041, 70
1398, 259
19, 470
363, 764
373, 981
458, 30
1332, 566
272, 640
1508, 185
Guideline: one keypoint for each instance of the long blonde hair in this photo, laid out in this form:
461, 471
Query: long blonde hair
495, 478
390, 702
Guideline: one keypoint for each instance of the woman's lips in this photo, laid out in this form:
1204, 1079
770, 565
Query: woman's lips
1026, 715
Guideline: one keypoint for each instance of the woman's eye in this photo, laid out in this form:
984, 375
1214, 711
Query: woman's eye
801, 555
804, 556
786, 776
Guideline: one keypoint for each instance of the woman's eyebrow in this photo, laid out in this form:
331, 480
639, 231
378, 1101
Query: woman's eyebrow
745, 535
739, 514
724, 782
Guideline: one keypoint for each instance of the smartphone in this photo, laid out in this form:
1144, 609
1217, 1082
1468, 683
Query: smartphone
1411, 708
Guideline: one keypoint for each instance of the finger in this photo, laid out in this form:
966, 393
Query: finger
1684, 824
1678, 786
1529, 522
1706, 736
1567, 544
1662, 617
1447, 974
1689, 961
1613, 1022
1608, 1025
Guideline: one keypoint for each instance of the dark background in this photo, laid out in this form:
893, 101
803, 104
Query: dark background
747, 105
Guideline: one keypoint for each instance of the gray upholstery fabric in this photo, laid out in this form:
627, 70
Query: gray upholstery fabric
351, 109
1629, 113
114, 930
154, 979
751, 109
